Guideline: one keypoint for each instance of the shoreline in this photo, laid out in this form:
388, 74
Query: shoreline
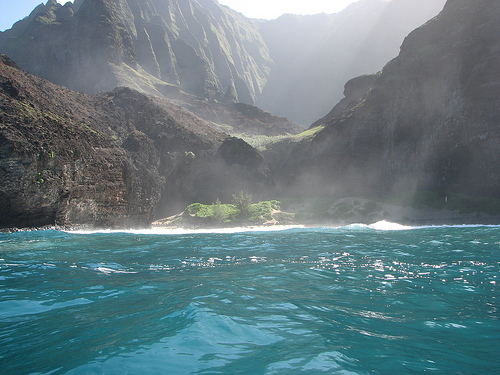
384, 212
347, 211
158, 229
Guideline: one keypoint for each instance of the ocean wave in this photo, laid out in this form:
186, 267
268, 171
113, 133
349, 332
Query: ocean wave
378, 226
386, 225
180, 231
391, 226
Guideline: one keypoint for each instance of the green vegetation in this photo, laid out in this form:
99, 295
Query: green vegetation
264, 210
241, 211
213, 213
48, 19
28, 110
54, 117
189, 155
140, 80
261, 142
219, 211
39, 179
243, 203
309, 133
87, 127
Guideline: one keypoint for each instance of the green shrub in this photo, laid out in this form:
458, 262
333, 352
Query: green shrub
219, 211
263, 210
243, 203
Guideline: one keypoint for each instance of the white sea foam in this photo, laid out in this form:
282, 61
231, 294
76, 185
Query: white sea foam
379, 226
108, 270
177, 231
386, 225
389, 226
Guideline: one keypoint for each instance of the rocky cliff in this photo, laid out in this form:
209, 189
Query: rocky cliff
354, 91
116, 159
93, 45
430, 121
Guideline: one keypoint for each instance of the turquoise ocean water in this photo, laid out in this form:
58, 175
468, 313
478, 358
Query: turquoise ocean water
352, 300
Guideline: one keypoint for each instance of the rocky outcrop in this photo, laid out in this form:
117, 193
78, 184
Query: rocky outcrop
354, 91
430, 121
93, 45
116, 159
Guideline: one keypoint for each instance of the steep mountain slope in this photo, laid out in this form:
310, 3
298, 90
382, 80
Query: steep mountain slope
430, 122
315, 55
92, 45
116, 159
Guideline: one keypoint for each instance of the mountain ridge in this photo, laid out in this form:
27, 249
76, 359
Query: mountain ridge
194, 44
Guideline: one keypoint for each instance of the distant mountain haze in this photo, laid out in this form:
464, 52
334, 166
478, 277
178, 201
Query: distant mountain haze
315, 55
294, 66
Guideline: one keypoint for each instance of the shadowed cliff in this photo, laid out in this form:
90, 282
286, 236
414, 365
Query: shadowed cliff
116, 159
429, 122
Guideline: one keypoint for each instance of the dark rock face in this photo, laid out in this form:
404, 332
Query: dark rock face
354, 90
116, 159
430, 122
93, 45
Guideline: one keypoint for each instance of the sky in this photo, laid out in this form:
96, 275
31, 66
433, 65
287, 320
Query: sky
13, 11
270, 9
